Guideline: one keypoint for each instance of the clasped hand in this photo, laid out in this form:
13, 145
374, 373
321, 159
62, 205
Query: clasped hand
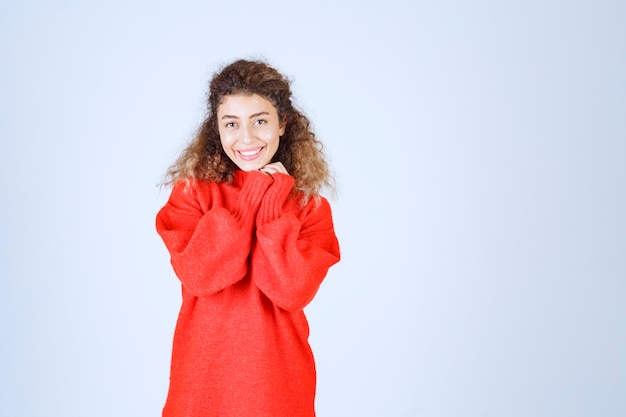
274, 168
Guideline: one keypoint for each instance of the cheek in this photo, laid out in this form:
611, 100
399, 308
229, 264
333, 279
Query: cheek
225, 140
274, 145
272, 142
274, 137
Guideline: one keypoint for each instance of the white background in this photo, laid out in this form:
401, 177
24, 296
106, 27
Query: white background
480, 151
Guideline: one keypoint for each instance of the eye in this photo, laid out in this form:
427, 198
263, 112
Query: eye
230, 124
260, 121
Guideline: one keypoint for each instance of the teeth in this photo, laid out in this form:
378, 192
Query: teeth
250, 153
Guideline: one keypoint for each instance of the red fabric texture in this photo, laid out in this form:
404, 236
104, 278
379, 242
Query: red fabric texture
250, 257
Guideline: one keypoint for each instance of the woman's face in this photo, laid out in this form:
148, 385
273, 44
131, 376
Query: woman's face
249, 130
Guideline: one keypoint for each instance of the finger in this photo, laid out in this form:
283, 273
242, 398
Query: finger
279, 168
274, 168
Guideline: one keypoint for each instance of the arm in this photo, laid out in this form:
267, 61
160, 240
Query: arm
295, 249
209, 247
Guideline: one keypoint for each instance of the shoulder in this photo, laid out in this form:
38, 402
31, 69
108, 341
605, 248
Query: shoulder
187, 188
195, 186
310, 206
198, 194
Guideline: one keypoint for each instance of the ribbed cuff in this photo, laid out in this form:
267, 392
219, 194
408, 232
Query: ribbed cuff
275, 197
251, 195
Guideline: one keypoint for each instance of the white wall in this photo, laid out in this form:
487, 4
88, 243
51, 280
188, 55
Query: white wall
479, 149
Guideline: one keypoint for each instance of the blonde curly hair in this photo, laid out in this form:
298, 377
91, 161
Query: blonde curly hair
299, 150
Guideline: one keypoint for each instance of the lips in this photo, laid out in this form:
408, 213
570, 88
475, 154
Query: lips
249, 154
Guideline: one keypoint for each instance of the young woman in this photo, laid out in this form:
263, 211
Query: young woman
251, 240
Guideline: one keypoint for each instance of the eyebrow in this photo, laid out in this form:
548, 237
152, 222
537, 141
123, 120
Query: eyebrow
252, 116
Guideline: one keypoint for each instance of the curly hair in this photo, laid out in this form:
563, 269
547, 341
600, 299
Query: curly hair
299, 150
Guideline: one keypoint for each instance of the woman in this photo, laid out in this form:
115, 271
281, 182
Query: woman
251, 240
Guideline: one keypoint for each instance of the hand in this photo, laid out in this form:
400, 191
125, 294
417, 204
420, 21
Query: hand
274, 168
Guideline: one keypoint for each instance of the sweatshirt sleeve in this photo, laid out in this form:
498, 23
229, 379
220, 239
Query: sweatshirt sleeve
293, 253
209, 250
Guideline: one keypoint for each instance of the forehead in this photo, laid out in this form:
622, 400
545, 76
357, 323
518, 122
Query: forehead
242, 104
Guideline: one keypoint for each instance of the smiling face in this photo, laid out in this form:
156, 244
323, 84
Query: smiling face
249, 130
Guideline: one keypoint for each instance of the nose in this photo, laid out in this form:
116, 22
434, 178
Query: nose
246, 134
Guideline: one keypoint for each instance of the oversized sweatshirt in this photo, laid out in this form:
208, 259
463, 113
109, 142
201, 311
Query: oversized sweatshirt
250, 257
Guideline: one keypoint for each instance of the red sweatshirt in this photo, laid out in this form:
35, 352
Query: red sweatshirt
249, 258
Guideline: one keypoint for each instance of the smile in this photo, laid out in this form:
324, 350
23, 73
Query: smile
249, 154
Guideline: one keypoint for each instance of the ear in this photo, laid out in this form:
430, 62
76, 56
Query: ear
283, 126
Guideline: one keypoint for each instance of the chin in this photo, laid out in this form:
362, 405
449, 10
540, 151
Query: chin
252, 165
249, 167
